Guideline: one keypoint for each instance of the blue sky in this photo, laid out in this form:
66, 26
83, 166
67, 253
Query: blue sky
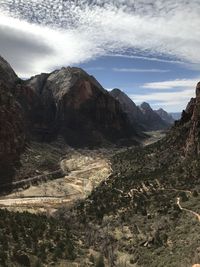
140, 76
147, 48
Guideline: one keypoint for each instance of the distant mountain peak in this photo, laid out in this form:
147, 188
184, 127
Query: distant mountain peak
165, 116
145, 106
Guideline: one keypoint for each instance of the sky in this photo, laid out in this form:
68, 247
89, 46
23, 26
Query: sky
150, 49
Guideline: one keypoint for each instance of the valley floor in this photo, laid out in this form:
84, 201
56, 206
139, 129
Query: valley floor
84, 170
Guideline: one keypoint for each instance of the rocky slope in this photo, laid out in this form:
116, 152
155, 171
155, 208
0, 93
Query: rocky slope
165, 116
152, 120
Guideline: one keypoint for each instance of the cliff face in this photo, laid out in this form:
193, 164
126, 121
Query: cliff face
191, 117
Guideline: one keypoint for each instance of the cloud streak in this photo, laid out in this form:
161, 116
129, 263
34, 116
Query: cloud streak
176, 100
139, 70
73, 32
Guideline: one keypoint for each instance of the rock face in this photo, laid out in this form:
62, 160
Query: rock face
71, 103
191, 118
12, 132
165, 116
186, 132
152, 119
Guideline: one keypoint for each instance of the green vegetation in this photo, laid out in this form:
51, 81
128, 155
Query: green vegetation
33, 240
135, 212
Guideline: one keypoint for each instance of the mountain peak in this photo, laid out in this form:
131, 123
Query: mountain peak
117, 91
145, 106
165, 116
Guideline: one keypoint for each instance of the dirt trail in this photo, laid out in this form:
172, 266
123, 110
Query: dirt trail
188, 210
84, 171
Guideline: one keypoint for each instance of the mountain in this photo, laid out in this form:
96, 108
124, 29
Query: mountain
152, 120
71, 103
165, 116
129, 107
176, 115
142, 118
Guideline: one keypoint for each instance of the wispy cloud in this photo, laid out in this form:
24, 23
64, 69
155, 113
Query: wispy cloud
175, 100
139, 70
173, 84
73, 32
149, 58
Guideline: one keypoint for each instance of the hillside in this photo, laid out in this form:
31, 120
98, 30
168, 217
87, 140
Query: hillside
147, 206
